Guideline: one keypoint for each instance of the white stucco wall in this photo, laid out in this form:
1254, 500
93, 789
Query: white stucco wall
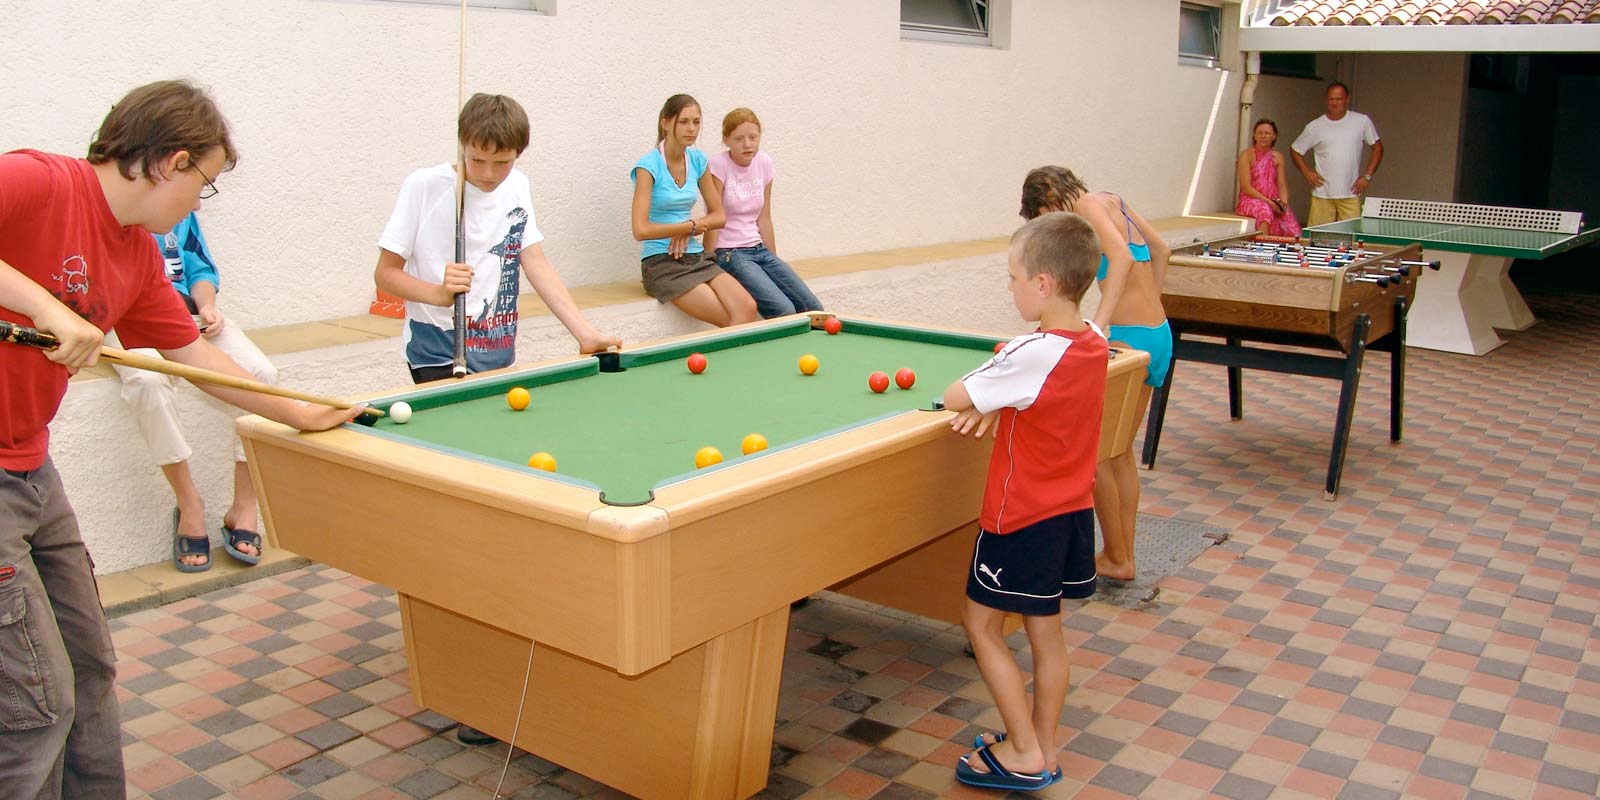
879, 142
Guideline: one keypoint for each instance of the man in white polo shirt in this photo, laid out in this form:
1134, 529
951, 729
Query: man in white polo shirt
1336, 138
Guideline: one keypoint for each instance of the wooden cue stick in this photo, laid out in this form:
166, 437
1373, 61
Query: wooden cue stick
23, 335
458, 365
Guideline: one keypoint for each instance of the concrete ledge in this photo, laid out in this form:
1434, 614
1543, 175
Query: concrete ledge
158, 584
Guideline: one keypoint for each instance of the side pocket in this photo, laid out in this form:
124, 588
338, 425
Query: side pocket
25, 690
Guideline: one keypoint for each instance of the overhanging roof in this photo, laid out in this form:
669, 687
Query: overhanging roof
1413, 26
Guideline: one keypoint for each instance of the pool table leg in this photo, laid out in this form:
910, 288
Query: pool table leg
699, 726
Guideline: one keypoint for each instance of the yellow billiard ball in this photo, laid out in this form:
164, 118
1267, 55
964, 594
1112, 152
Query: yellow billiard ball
518, 398
542, 460
752, 443
706, 456
809, 364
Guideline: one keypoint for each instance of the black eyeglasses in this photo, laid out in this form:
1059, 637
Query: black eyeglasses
211, 189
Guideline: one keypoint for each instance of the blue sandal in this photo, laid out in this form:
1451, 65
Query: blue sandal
998, 777
191, 546
999, 736
233, 537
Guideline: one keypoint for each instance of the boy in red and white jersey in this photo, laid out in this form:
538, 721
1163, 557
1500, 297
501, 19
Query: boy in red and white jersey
1046, 391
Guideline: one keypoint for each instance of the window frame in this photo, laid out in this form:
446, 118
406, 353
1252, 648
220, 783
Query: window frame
1214, 15
546, 7
983, 10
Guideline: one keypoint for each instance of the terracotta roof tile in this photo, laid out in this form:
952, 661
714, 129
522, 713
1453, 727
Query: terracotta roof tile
1439, 12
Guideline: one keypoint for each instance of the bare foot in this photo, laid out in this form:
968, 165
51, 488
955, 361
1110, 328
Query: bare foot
1020, 763
247, 520
191, 524
1110, 569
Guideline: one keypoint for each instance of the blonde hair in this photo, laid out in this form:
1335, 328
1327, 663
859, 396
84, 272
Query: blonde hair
737, 117
1063, 245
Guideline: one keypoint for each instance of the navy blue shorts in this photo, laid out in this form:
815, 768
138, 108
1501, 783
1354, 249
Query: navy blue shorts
1029, 571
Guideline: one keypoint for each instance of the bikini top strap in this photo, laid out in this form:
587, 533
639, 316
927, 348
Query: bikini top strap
1128, 219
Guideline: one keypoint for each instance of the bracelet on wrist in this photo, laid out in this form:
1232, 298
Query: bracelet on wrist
694, 228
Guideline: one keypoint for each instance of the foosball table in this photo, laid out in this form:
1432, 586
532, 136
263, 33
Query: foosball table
1252, 290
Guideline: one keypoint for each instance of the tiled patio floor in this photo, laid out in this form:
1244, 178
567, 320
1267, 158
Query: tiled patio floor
1432, 633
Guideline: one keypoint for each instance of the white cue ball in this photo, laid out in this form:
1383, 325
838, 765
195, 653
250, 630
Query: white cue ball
400, 412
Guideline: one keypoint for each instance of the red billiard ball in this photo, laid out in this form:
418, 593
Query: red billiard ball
697, 363
904, 378
833, 326
998, 346
878, 382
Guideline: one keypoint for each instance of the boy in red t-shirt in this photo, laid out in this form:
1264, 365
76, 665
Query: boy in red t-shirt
76, 259
1036, 543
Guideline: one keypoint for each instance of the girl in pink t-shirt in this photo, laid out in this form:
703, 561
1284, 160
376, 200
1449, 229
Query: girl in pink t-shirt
745, 247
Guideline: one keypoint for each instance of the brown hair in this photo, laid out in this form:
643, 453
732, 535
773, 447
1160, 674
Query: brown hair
737, 117
1062, 245
1048, 188
493, 122
1269, 123
156, 120
670, 111
1337, 85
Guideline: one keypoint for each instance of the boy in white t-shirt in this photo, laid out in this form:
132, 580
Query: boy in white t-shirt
746, 247
416, 251
1337, 138
1044, 392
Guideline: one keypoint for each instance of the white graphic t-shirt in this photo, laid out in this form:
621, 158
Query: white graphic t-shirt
498, 225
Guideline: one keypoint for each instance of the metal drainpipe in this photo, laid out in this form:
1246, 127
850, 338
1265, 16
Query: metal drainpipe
1247, 96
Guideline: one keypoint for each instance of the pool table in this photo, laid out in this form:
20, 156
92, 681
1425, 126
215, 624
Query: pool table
633, 606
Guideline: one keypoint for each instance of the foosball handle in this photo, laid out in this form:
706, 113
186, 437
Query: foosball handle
1403, 269
1383, 282
1434, 265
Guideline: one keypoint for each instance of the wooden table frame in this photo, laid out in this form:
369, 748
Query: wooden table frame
660, 627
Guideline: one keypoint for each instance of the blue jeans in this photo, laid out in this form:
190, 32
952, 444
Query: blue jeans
773, 283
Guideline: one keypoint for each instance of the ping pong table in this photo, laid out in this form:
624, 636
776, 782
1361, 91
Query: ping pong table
1458, 308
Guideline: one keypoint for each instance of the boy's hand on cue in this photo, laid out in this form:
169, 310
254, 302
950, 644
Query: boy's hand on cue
314, 417
80, 340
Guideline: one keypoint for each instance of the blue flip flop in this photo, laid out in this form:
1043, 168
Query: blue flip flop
188, 546
998, 777
233, 537
977, 741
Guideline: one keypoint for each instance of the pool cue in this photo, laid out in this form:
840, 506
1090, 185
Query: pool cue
23, 335
458, 365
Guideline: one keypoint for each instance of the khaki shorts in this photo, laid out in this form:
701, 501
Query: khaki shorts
1324, 210
667, 278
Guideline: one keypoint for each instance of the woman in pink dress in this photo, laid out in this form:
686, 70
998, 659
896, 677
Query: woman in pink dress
1263, 194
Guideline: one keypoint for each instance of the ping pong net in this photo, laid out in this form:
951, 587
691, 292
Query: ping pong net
1525, 219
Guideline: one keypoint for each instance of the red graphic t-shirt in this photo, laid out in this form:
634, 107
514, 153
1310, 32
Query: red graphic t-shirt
1050, 390
57, 229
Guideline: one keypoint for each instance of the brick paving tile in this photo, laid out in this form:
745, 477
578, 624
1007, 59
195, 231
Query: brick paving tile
1432, 632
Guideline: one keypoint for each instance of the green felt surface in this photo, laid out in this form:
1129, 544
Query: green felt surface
1455, 238
629, 431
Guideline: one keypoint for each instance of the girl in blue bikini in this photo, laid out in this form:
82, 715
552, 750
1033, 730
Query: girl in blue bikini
1133, 266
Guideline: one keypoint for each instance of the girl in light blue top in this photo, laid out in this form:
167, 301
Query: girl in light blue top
673, 264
